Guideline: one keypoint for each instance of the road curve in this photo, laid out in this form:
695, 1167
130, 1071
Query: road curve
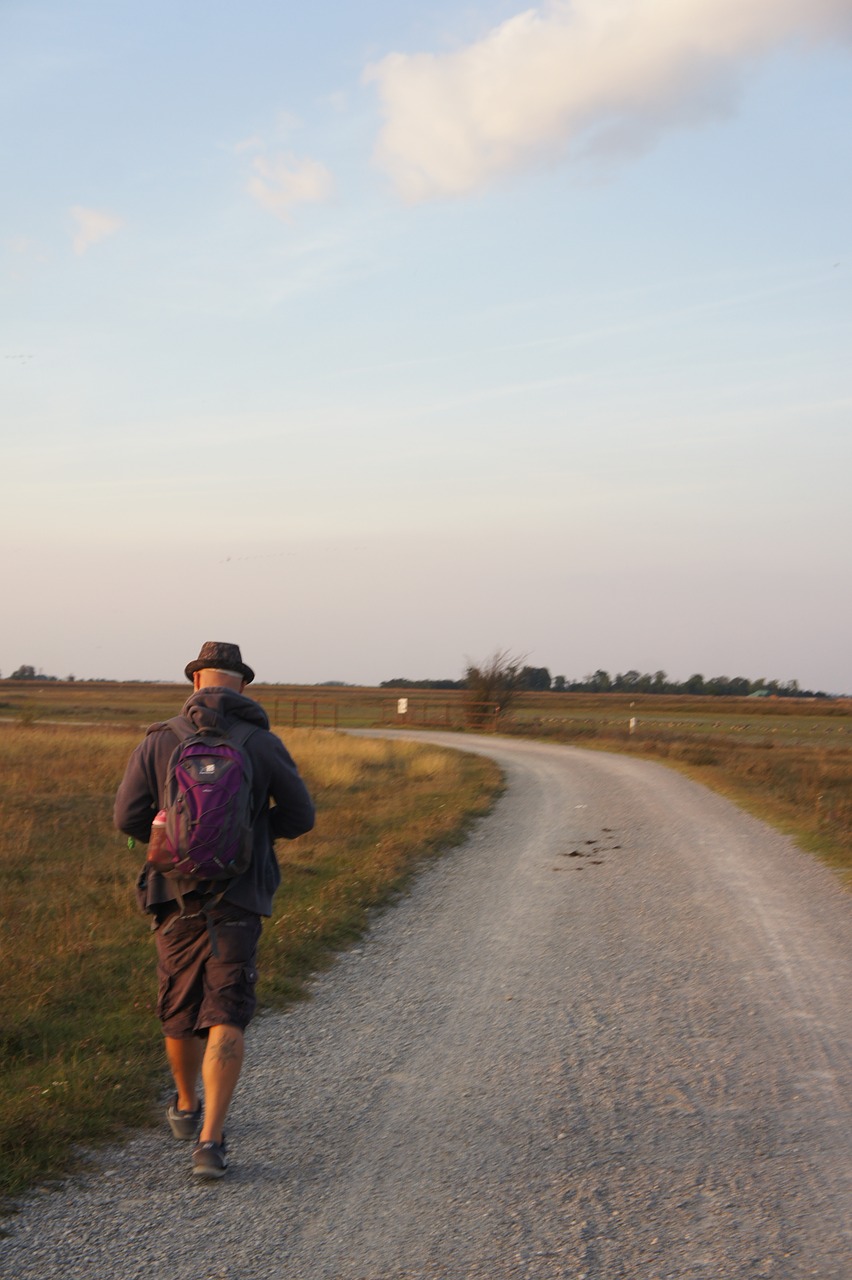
609, 1038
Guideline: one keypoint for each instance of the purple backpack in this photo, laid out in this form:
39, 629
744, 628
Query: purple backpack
208, 803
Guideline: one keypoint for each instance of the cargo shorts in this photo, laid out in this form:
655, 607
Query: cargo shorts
198, 990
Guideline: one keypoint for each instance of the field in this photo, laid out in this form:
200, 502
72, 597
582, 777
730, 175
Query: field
789, 760
788, 720
80, 1047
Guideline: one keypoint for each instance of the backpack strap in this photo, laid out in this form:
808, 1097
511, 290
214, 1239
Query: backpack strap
180, 727
239, 733
206, 905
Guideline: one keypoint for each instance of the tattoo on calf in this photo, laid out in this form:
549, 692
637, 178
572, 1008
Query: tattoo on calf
226, 1051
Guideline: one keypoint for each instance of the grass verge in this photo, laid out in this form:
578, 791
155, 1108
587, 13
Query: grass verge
80, 1048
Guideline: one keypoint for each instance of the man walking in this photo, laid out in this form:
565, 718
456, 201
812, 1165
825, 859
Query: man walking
207, 943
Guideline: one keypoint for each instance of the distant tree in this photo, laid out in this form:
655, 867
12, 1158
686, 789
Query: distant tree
717, 686
558, 684
402, 682
600, 682
491, 687
537, 678
26, 672
694, 685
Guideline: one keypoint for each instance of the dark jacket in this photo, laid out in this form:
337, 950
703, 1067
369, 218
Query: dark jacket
281, 800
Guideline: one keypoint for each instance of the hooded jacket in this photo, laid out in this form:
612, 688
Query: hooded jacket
281, 802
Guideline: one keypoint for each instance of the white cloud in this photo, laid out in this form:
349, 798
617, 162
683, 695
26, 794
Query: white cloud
280, 182
93, 225
572, 76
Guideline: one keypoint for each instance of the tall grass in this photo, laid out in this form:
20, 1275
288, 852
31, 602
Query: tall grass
80, 1049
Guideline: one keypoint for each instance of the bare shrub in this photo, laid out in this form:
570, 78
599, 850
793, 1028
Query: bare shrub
491, 687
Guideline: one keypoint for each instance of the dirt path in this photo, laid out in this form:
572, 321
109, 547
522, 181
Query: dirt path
608, 1039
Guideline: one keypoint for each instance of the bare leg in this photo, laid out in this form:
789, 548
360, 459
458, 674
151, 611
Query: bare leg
221, 1071
185, 1058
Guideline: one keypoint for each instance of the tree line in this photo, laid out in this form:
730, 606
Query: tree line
502, 673
539, 680
26, 672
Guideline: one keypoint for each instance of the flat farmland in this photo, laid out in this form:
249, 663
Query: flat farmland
788, 760
805, 721
138, 704
785, 720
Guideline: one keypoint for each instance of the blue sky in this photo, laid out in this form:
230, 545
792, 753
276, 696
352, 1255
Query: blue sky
379, 337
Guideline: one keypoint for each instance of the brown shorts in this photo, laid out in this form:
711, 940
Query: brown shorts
198, 990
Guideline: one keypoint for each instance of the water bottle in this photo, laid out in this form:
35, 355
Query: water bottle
159, 856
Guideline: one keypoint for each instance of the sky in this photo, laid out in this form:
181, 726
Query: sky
380, 337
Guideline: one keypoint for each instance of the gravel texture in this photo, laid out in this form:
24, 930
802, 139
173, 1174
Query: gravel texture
609, 1038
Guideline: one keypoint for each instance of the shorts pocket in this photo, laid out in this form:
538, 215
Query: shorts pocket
248, 998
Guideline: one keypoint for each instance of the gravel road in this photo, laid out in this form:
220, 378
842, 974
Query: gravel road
609, 1038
